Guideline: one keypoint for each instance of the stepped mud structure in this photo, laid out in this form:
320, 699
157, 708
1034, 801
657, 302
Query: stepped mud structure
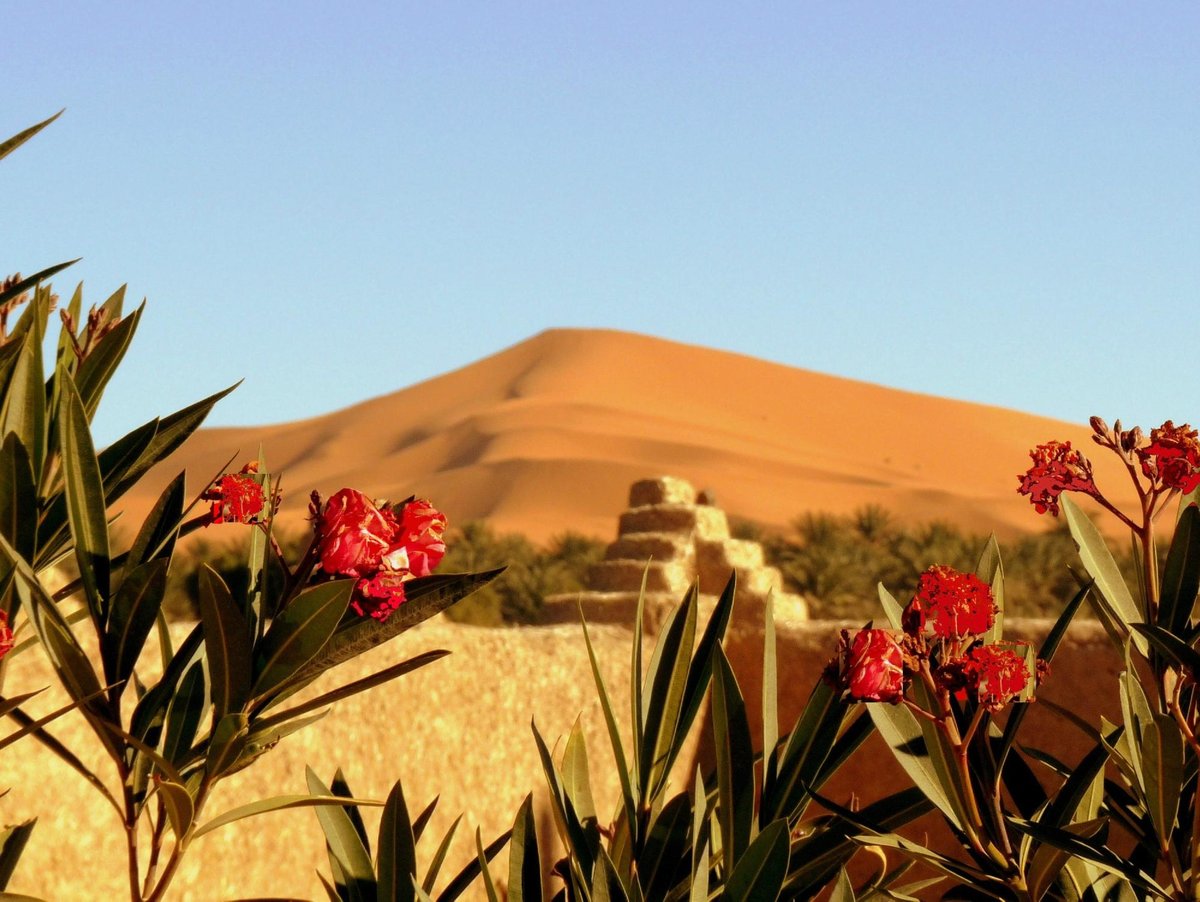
671, 538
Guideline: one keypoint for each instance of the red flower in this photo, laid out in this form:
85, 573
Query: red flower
1056, 469
356, 536
360, 538
421, 530
6, 635
869, 668
238, 497
380, 595
950, 605
997, 675
1173, 456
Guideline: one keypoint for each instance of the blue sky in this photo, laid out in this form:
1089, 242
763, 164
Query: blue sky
996, 202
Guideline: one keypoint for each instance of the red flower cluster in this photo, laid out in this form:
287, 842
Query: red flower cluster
1173, 456
1056, 469
382, 546
950, 605
238, 497
943, 641
6, 635
996, 675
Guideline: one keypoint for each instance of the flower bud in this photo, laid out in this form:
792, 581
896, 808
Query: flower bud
869, 667
1099, 426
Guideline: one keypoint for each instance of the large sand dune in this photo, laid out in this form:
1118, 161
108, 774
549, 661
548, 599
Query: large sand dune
547, 436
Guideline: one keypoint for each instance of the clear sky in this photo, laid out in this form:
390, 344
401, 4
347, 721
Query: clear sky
998, 202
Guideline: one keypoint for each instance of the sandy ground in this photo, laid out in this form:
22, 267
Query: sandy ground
459, 727
548, 435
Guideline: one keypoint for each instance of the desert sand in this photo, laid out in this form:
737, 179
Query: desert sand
548, 435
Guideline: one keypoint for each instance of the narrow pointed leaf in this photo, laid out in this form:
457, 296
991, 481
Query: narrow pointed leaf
760, 872
18, 496
12, 843
20, 138
464, 878
524, 861
614, 735
900, 730
23, 406
575, 777
439, 856
101, 363
735, 762
990, 569
299, 633
1114, 602
891, 608
344, 843
156, 538
425, 598
134, 610
181, 810
1181, 574
481, 856
770, 689
666, 681
226, 643
278, 803
397, 850
85, 501
700, 671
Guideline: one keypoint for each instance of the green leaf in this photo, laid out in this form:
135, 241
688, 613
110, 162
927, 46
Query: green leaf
760, 872
16, 141
183, 714
581, 841
700, 671
990, 570
1048, 861
665, 857
891, 608
636, 708
1088, 850
298, 634
98, 367
1181, 574
18, 497
958, 870
397, 850
804, 755
900, 730
226, 644
628, 801
23, 407
575, 778
481, 856
1049, 648
1114, 605
278, 803
181, 809
439, 856
524, 862
12, 843
663, 692
156, 538
467, 875
85, 501
425, 598
345, 846
134, 609
228, 741
1172, 648
1162, 766
367, 682
170, 432
842, 890
735, 762
770, 691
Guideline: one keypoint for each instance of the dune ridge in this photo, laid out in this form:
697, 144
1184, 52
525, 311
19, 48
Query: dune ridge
547, 435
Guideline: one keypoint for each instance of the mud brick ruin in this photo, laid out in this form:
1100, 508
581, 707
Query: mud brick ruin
671, 537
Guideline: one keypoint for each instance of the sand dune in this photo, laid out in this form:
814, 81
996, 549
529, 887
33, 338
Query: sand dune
547, 436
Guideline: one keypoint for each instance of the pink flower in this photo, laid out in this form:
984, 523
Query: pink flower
950, 605
6, 635
237, 497
869, 668
380, 595
1173, 456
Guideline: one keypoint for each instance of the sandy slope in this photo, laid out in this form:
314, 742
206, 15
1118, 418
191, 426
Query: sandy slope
548, 435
